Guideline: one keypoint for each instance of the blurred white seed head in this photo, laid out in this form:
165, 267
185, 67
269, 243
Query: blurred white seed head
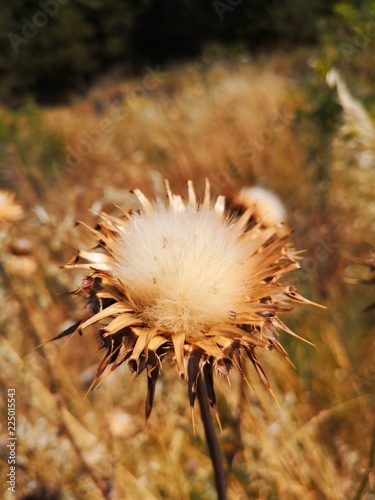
267, 206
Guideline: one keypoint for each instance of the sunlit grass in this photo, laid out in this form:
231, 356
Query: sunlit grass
196, 122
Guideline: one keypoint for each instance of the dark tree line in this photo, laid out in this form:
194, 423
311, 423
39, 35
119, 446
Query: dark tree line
51, 47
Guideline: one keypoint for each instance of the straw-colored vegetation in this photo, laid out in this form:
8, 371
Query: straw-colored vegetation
234, 123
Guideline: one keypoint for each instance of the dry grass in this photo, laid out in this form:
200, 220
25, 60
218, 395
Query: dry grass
194, 122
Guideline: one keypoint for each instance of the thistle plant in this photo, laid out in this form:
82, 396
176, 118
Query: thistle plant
191, 282
10, 210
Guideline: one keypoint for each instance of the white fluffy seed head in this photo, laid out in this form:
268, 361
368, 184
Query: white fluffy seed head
184, 268
268, 207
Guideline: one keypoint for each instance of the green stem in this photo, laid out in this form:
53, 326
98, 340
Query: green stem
212, 443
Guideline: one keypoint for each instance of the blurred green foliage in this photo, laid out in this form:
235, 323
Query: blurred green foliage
50, 47
347, 42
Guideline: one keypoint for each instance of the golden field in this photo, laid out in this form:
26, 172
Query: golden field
237, 123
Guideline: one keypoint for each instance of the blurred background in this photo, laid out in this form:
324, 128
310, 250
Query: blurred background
100, 97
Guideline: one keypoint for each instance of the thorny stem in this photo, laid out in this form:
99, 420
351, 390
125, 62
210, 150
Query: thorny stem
212, 443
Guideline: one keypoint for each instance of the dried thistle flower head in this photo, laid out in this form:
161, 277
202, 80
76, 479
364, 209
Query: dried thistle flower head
267, 207
9, 209
186, 279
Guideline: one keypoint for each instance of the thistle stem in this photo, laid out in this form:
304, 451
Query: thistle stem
211, 439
